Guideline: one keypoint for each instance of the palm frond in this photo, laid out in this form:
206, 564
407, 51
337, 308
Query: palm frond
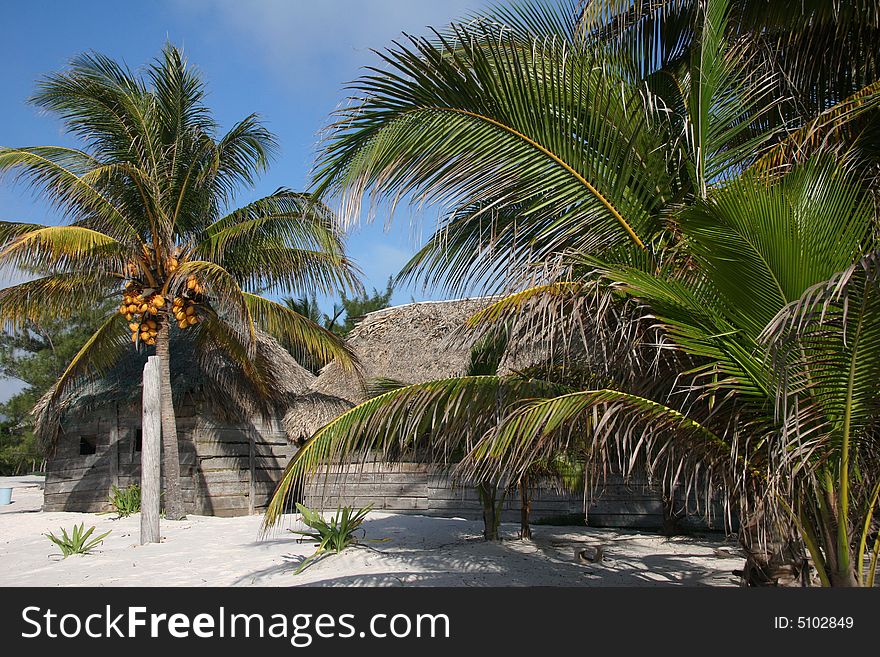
309, 341
429, 420
457, 125
53, 297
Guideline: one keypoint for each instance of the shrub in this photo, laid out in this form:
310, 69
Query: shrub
333, 536
78, 542
126, 501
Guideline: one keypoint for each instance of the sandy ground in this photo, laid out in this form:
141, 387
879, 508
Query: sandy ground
419, 551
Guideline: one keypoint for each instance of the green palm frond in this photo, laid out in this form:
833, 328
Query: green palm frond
430, 420
65, 248
295, 219
421, 131
60, 171
312, 342
513, 304
55, 296
608, 424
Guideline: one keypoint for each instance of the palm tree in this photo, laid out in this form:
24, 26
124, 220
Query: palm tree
576, 146
150, 222
780, 407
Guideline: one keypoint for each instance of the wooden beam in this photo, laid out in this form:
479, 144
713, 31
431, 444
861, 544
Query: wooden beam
151, 428
252, 459
114, 447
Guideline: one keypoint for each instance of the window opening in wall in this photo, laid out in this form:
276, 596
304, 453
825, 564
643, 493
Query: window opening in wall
88, 444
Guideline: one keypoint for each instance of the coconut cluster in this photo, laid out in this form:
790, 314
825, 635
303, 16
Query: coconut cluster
144, 309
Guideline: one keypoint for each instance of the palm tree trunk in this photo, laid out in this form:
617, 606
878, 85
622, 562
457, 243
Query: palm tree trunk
525, 529
173, 498
773, 558
491, 509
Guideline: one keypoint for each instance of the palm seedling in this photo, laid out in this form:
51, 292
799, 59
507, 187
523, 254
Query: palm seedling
79, 541
333, 536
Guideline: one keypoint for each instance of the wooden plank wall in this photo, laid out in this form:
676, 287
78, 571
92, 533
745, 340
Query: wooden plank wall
418, 488
229, 471
224, 471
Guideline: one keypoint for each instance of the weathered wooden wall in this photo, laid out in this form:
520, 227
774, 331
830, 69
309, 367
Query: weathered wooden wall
224, 470
418, 488
229, 471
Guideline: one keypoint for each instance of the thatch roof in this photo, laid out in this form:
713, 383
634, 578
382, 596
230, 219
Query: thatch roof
309, 412
412, 343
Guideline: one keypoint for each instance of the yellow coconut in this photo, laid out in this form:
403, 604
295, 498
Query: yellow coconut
190, 310
129, 317
134, 326
192, 319
152, 323
158, 301
134, 337
182, 324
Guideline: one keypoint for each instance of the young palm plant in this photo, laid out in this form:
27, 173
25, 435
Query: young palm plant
147, 201
779, 409
596, 149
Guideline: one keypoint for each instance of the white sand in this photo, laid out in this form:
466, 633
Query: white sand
421, 551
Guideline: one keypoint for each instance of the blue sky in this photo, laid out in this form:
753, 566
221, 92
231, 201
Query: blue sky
287, 60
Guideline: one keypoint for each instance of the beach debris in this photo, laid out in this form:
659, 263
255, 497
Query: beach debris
589, 554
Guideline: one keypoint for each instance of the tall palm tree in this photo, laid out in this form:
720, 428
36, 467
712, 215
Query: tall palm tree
150, 222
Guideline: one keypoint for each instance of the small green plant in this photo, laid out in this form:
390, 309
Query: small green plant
126, 501
333, 536
78, 542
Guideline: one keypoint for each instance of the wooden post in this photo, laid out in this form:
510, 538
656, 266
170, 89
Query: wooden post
114, 447
151, 432
252, 458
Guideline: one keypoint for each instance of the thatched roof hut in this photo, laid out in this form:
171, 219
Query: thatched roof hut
233, 446
203, 372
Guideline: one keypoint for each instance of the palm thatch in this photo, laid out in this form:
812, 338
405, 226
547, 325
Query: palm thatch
309, 412
207, 372
412, 343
